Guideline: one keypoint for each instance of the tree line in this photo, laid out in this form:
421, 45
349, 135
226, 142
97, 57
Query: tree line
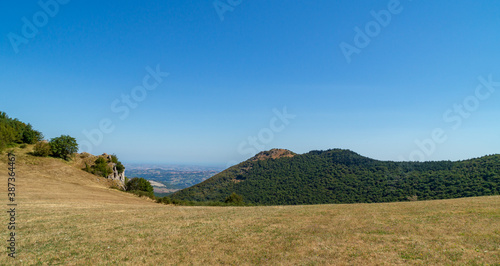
13, 131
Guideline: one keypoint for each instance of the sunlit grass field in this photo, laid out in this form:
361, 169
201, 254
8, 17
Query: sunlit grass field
69, 217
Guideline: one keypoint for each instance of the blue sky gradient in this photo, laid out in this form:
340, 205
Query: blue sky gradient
227, 76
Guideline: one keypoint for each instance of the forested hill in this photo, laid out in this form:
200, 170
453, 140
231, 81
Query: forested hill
342, 176
13, 131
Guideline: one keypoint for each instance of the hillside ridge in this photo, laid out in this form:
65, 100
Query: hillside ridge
57, 181
281, 177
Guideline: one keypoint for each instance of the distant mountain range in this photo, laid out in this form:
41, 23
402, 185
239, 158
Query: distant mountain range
281, 177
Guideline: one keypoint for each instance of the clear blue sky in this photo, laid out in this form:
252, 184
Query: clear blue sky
419, 73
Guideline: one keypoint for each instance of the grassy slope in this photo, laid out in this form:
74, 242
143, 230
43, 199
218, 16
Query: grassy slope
66, 216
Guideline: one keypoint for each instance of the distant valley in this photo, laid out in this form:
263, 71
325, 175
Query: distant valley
171, 178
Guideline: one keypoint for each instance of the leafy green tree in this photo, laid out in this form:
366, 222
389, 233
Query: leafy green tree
7, 134
139, 184
13, 131
31, 136
140, 187
63, 146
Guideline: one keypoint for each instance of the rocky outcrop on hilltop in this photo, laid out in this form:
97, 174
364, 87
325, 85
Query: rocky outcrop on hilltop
115, 175
104, 165
273, 154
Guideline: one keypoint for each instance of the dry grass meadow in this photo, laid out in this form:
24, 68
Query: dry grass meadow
69, 217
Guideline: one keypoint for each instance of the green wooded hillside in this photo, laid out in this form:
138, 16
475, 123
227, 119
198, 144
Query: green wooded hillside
342, 176
13, 131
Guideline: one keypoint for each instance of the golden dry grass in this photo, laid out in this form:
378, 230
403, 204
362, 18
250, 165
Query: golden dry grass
67, 216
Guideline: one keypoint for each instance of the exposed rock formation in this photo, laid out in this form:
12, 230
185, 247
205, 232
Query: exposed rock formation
87, 162
273, 154
115, 175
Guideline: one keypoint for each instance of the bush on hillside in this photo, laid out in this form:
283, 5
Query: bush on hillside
164, 200
234, 199
139, 184
42, 149
114, 158
120, 167
100, 167
140, 187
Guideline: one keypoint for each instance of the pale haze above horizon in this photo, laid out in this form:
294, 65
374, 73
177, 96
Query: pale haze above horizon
215, 82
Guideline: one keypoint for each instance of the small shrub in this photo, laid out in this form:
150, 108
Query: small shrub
114, 158
234, 199
164, 200
120, 167
23, 146
101, 168
42, 149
